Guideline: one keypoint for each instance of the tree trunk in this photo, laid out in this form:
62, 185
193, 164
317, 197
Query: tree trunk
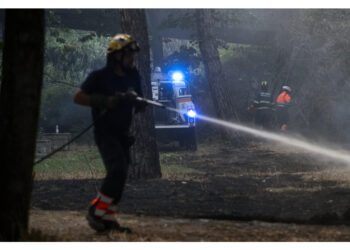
144, 153
19, 110
213, 69
156, 38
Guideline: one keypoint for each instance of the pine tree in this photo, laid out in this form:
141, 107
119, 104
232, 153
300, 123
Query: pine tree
144, 153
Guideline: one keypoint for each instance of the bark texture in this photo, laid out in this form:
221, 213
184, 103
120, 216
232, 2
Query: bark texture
144, 153
19, 111
213, 69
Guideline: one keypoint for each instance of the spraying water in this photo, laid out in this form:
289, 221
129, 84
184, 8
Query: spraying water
287, 140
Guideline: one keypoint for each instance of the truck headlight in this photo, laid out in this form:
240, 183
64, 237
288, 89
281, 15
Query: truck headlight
191, 113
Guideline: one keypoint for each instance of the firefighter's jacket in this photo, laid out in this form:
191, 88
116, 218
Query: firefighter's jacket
283, 100
263, 101
105, 82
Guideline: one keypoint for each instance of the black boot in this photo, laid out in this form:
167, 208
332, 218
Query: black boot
95, 222
114, 226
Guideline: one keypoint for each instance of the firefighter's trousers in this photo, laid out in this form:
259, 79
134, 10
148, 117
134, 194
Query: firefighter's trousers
115, 154
263, 118
282, 116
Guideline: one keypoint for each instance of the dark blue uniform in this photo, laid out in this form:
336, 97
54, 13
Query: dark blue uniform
263, 109
111, 128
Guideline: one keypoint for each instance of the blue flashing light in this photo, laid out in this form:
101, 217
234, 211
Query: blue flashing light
177, 76
191, 113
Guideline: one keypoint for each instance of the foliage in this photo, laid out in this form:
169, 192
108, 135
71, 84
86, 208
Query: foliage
186, 58
182, 18
247, 63
245, 67
319, 74
70, 55
185, 18
104, 22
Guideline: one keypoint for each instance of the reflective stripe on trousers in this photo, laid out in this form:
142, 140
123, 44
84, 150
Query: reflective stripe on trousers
104, 208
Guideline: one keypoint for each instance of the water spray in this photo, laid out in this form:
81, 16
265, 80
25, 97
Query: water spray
287, 140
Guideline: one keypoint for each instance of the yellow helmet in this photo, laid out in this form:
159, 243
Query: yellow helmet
264, 85
120, 42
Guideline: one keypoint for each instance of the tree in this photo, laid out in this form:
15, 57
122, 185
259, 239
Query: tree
19, 110
213, 69
144, 153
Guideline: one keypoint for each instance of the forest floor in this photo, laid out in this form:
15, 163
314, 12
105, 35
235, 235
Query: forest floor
259, 192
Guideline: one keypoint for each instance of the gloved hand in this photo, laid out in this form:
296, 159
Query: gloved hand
129, 96
140, 106
251, 107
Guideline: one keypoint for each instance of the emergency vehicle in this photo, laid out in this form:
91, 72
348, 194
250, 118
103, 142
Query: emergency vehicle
171, 90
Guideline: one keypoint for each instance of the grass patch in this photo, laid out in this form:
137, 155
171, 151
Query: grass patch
174, 166
72, 164
176, 171
166, 158
83, 163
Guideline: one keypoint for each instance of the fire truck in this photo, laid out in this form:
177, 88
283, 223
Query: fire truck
170, 89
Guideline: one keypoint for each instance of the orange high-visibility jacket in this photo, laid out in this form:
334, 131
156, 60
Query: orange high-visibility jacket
283, 98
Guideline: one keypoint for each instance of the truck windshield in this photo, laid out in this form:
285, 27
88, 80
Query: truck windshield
183, 91
166, 91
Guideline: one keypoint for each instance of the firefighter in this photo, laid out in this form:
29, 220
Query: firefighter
282, 106
111, 93
262, 105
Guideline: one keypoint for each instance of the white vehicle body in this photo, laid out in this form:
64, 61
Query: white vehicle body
173, 93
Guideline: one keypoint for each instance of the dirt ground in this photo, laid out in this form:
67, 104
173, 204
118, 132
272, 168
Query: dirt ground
251, 193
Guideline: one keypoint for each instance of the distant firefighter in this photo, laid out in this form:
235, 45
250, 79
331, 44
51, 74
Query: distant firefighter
262, 105
282, 106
